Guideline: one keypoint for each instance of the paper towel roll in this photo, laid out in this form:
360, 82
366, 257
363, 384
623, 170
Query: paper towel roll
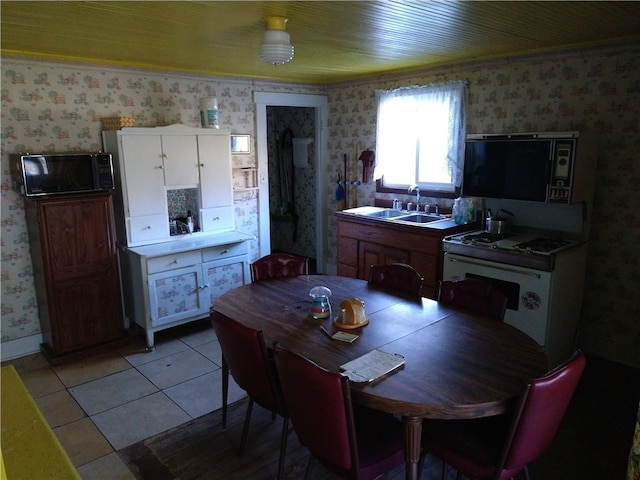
301, 152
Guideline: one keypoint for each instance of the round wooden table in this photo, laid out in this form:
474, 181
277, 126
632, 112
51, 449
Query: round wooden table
457, 365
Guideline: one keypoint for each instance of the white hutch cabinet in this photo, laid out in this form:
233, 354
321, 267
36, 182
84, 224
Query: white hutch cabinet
169, 280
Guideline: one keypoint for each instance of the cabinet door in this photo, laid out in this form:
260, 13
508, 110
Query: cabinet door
224, 275
144, 175
176, 294
216, 189
375, 254
81, 271
87, 311
180, 155
348, 257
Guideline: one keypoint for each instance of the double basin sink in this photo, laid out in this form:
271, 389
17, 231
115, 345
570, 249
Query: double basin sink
396, 215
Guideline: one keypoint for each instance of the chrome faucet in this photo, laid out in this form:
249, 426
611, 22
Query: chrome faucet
417, 189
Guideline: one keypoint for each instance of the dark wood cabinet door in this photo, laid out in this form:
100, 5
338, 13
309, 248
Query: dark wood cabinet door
78, 234
76, 270
375, 254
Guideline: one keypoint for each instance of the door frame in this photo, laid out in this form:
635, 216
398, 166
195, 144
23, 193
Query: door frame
320, 104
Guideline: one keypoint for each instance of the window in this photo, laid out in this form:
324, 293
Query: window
420, 137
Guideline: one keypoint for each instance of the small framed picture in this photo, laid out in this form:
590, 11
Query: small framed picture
240, 144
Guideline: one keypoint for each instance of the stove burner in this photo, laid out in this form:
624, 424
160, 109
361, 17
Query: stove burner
542, 244
483, 238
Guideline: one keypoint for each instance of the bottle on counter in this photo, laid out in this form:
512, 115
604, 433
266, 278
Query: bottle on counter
189, 221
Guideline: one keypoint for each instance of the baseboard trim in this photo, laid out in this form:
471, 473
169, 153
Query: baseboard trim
20, 347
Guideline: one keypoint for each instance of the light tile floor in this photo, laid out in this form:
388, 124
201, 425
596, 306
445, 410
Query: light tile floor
103, 403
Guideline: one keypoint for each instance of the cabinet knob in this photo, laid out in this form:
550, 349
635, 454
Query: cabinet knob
160, 167
148, 227
202, 287
224, 252
215, 218
176, 261
201, 165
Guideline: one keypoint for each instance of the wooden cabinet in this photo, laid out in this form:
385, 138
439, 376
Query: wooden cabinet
171, 285
377, 254
75, 264
148, 162
363, 242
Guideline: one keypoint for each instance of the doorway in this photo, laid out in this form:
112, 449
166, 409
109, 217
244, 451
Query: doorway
279, 211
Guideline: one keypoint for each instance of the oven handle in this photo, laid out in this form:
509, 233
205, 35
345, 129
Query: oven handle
510, 270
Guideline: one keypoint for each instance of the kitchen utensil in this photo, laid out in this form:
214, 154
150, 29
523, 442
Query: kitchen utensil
498, 225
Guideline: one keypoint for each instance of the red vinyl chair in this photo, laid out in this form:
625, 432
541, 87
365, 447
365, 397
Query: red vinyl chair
498, 448
398, 276
278, 265
245, 354
475, 296
354, 442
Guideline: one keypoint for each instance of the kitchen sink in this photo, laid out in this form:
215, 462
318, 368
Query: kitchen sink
419, 218
386, 213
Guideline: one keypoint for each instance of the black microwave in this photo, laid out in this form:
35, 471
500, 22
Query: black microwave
536, 167
58, 173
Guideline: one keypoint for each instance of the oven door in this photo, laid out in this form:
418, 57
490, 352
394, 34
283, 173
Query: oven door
528, 291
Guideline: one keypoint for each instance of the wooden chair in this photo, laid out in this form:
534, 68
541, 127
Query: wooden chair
351, 441
245, 354
474, 296
498, 448
278, 265
397, 276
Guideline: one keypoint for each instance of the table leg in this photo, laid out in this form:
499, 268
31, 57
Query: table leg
412, 444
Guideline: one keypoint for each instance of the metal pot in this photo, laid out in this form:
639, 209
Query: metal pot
498, 225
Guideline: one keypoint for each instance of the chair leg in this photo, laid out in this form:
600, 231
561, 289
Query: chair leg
225, 392
307, 473
283, 447
245, 428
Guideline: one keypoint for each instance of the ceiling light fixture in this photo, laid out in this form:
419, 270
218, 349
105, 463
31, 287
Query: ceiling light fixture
276, 48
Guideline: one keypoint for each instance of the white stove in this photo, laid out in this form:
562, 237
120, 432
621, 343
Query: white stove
540, 273
530, 249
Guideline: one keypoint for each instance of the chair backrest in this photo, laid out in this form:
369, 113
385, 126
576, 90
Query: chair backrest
475, 296
278, 265
541, 408
245, 353
398, 276
319, 405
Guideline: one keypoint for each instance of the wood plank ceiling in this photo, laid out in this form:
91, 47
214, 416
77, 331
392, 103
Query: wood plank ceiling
334, 40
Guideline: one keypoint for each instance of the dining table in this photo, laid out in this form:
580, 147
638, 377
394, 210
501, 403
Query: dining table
458, 365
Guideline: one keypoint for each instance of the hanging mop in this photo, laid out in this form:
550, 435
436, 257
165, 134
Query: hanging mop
287, 177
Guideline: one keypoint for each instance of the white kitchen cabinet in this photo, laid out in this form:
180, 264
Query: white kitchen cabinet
214, 174
181, 160
142, 175
149, 162
173, 283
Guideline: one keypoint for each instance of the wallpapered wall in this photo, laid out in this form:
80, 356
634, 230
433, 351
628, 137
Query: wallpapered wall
595, 93
58, 107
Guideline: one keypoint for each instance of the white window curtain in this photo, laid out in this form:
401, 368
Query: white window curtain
422, 121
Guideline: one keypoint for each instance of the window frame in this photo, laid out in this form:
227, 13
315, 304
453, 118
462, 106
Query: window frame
426, 189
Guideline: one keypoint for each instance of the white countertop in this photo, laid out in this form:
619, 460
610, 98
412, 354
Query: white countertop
192, 241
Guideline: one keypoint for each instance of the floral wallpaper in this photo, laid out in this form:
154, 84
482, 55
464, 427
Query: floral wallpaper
57, 107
